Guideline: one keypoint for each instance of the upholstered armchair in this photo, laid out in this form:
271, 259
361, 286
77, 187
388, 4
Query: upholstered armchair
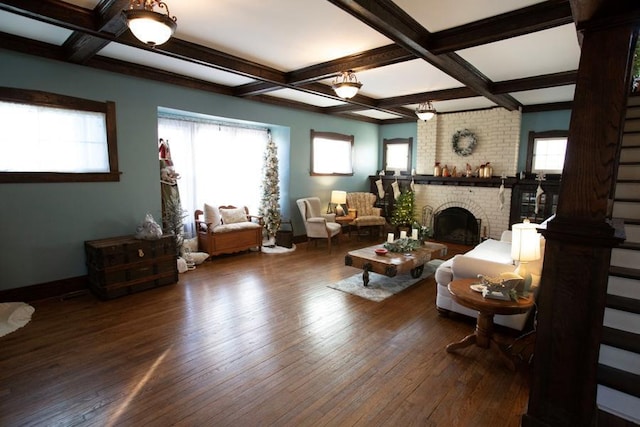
317, 224
367, 215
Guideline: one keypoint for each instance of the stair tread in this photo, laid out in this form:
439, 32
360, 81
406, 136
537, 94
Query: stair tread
628, 181
626, 199
626, 382
633, 246
630, 221
626, 272
632, 163
620, 339
627, 304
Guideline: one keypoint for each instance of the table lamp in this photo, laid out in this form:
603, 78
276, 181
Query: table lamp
525, 247
338, 198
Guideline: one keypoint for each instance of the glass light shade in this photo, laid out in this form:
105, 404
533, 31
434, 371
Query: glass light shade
150, 27
525, 242
346, 85
425, 111
339, 197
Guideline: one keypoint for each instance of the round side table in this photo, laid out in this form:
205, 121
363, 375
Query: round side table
462, 293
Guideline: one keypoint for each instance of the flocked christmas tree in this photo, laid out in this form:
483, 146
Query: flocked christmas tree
403, 209
270, 202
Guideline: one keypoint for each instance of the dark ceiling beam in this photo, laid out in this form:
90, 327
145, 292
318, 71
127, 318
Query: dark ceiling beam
373, 58
80, 47
538, 17
387, 18
108, 13
357, 103
436, 95
536, 82
187, 51
506, 86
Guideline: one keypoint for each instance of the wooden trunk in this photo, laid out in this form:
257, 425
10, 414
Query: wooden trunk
123, 265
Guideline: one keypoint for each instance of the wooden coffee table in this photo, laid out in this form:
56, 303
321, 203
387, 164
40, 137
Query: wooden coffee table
487, 307
393, 263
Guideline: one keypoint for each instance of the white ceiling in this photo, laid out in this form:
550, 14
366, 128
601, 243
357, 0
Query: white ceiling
288, 35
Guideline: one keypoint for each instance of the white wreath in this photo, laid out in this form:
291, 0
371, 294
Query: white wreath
464, 135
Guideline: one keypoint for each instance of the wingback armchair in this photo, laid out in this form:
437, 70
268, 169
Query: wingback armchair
317, 224
367, 215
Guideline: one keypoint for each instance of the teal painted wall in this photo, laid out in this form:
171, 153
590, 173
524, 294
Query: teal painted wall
540, 122
44, 226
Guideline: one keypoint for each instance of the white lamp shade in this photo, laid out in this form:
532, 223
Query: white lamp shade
346, 90
525, 242
150, 27
339, 197
427, 115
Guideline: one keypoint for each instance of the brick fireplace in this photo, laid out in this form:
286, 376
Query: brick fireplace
498, 134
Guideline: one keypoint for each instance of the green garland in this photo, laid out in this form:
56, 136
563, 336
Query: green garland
465, 135
402, 245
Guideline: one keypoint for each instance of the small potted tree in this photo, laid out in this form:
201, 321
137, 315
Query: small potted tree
402, 216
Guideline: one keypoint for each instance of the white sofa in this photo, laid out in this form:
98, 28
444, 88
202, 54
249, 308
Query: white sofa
489, 258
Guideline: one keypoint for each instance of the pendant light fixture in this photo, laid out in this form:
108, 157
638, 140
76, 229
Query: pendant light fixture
346, 85
425, 111
152, 28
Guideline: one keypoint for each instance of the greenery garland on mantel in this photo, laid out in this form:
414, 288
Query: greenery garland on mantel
469, 140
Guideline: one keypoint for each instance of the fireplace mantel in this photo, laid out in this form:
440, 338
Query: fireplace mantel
509, 182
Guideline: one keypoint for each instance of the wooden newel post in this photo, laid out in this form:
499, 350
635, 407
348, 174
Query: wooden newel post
579, 240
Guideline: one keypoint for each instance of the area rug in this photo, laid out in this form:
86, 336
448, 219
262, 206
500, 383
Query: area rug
380, 286
14, 315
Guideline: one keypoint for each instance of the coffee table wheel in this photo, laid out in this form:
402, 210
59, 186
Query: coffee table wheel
417, 272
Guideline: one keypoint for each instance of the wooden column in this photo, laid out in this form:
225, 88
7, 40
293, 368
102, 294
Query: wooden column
579, 241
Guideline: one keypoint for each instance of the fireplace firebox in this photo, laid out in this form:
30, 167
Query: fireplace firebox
456, 225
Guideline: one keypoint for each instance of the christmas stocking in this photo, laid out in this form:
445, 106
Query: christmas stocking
396, 190
380, 188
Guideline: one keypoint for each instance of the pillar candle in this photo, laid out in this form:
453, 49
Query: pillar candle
403, 234
390, 238
414, 234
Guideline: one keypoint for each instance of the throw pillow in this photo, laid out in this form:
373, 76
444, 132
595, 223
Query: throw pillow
199, 257
233, 216
190, 244
211, 215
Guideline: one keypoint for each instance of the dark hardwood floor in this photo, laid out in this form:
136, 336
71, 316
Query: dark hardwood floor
254, 339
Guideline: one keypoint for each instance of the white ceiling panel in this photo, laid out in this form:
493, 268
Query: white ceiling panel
307, 98
31, 29
404, 78
437, 15
543, 52
279, 33
167, 63
475, 103
375, 114
544, 96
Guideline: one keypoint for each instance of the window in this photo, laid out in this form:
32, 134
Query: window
54, 138
396, 154
546, 151
331, 153
219, 163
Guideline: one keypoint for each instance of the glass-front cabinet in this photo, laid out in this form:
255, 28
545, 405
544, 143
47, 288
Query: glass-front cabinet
523, 201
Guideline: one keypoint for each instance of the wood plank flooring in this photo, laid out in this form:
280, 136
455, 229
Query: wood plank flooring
254, 339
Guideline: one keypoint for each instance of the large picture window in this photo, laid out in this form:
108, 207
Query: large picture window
331, 153
219, 163
55, 138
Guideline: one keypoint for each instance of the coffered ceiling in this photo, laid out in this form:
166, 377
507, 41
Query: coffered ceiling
462, 55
